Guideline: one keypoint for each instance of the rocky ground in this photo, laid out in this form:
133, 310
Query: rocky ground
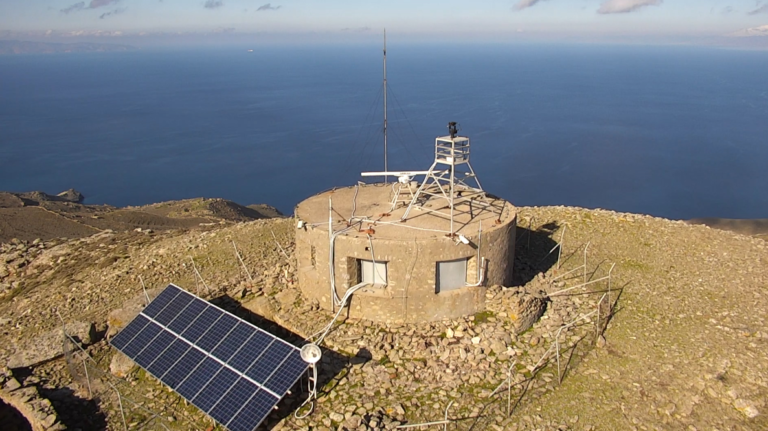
677, 340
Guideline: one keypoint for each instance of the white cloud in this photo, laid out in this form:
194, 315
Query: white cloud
94, 4
522, 4
268, 6
625, 6
751, 32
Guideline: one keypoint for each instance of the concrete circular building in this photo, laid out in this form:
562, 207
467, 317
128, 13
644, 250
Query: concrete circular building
407, 251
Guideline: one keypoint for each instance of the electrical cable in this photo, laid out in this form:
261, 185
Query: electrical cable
373, 259
354, 203
328, 327
334, 295
312, 389
356, 155
399, 105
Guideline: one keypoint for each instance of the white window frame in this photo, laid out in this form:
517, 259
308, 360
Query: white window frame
456, 268
373, 275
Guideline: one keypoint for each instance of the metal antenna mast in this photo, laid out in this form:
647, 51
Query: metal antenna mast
386, 169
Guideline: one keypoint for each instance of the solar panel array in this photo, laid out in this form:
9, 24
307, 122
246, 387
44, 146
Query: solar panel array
231, 370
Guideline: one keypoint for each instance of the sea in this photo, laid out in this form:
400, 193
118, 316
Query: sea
672, 131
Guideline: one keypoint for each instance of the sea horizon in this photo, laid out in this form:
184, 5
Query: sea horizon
670, 131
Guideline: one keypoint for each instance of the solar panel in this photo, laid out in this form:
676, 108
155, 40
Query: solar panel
233, 371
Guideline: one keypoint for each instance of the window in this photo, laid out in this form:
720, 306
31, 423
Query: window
451, 275
372, 273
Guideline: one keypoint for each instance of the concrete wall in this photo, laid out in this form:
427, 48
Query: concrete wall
411, 272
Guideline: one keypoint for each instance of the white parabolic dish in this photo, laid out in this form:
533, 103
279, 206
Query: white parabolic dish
311, 353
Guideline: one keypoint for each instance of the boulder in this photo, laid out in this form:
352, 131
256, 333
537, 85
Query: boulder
121, 317
261, 306
121, 365
287, 297
11, 384
50, 345
525, 309
51, 256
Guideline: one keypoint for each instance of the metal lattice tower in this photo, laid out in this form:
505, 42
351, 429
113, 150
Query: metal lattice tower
450, 178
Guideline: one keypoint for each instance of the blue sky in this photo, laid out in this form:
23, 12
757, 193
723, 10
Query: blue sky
491, 20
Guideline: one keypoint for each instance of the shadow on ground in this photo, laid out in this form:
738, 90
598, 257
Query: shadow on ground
535, 252
330, 367
74, 411
12, 420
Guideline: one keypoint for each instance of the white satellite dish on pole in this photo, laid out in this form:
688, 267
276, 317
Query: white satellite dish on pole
311, 353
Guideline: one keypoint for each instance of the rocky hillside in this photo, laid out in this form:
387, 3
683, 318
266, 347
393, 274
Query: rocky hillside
677, 340
37, 215
752, 227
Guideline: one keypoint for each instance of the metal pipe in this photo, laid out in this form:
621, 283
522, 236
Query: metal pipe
386, 168
198, 274
445, 428
597, 323
237, 253
393, 173
334, 296
560, 251
585, 262
144, 287
609, 285
373, 260
354, 203
120, 402
482, 274
580, 285
509, 388
453, 175
478, 265
276, 243
87, 379
565, 273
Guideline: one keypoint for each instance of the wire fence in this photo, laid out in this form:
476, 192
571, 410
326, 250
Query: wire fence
127, 406
131, 406
602, 310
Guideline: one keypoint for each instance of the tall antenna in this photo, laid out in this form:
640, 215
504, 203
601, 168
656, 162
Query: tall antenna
386, 169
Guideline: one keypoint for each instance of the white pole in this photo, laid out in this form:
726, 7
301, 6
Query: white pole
144, 287
330, 252
330, 218
453, 175
237, 253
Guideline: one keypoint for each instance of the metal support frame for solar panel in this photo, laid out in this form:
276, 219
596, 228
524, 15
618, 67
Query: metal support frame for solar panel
233, 371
